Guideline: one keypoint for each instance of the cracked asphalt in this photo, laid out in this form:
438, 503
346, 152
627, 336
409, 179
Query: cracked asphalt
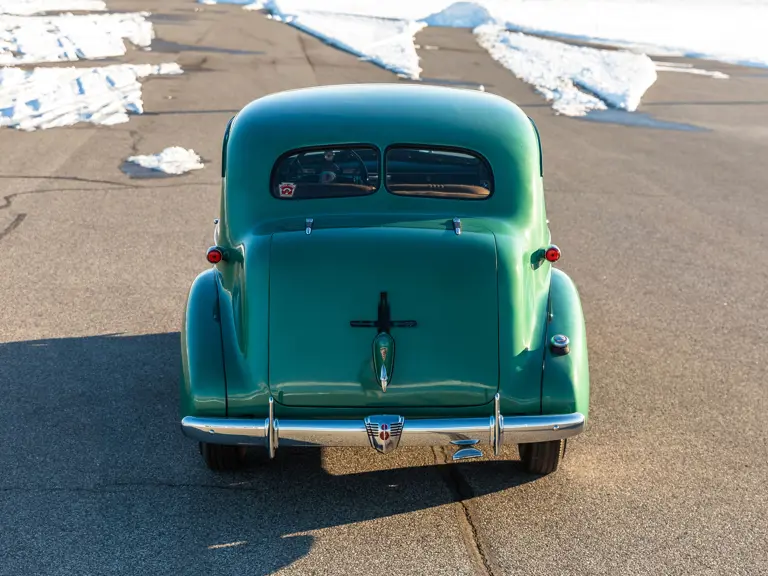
662, 229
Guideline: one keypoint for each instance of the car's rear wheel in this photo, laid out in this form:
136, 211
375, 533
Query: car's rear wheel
220, 457
542, 457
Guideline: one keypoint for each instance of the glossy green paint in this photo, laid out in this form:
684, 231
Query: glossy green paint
322, 281
565, 386
203, 387
260, 233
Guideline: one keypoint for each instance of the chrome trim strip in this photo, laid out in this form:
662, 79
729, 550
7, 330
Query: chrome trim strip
465, 453
273, 432
465, 442
494, 430
498, 426
437, 432
324, 433
226, 430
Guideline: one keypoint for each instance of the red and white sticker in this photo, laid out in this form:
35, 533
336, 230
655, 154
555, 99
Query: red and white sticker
287, 189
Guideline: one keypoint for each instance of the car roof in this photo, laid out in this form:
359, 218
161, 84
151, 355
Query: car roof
381, 115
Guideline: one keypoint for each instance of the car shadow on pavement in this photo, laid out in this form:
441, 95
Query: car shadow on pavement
92, 452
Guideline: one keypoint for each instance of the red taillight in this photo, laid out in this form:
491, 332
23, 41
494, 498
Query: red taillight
552, 254
214, 255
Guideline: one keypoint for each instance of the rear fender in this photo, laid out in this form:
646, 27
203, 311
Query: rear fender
203, 382
565, 380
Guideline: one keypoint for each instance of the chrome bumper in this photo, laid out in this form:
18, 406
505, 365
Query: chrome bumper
384, 432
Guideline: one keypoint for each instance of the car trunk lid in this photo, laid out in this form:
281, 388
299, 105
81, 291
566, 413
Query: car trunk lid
327, 291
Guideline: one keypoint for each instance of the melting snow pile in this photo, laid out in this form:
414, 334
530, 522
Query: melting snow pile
386, 42
734, 31
460, 15
689, 69
29, 7
575, 79
229, 2
26, 40
174, 160
51, 97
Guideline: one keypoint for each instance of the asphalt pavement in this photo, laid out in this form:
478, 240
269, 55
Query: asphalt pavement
662, 226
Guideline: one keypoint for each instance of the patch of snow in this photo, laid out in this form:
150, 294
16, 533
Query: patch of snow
460, 15
396, 9
29, 7
238, 2
246, 4
173, 160
732, 31
386, 42
575, 79
52, 97
689, 69
27, 40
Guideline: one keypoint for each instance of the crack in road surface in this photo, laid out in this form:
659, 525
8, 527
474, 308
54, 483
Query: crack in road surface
67, 178
8, 199
13, 225
462, 492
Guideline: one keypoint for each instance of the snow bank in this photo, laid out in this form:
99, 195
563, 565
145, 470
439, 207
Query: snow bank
689, 69
29, 7
27, 40
53, 97
460, 15
734, 31
575, 79
251, 6
386, 42
239, 2
173, 160
397, 9
731, 31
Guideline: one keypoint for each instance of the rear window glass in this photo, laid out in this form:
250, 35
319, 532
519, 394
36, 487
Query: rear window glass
437, 173
331, 172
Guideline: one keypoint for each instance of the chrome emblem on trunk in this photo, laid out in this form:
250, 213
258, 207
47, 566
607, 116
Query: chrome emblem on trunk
384, 431
383, 358
383, 344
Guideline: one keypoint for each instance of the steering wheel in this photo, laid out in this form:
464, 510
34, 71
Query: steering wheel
356, 156
334, 169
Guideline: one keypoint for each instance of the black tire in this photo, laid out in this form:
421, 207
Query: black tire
220, 457
542, 457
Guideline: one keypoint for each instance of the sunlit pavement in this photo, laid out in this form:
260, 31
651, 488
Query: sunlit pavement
660, 228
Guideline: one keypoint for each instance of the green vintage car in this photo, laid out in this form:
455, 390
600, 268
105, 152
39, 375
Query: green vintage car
382, 276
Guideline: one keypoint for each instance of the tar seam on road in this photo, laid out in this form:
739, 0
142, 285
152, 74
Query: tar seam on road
67, 178
7, 200
13, 225
462, 492
136, 140
306, 55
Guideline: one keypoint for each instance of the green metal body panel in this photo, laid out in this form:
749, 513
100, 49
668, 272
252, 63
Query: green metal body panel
286, 298
322, 281
203, 387
565, 386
